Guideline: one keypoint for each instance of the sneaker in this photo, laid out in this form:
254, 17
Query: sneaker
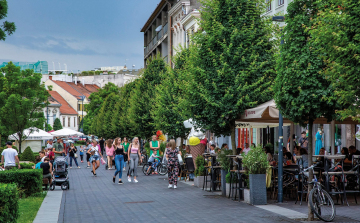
71, 167
94, 174
129, 179
170, 186
120, 182
135, 180
88, 167
175, 186
113, 179
79, 167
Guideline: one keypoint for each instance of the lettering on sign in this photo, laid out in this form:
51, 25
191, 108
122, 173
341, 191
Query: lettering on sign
249, 113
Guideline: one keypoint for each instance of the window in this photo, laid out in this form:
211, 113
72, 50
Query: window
268, 5
68, 122
74, 121
63, 121
281, 2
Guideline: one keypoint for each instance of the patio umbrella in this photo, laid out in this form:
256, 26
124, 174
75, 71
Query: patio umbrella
32, 133
66, 132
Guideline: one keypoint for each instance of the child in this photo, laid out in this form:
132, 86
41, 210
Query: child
152, 162
82, 153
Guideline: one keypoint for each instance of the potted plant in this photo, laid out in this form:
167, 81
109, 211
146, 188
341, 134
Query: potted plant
199, 171
256, 165
225, 168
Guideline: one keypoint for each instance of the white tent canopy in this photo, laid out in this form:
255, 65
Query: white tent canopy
258, 111
66, 132
32, 133
245, 125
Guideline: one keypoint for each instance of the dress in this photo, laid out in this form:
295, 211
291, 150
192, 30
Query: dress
173, 165
318, 144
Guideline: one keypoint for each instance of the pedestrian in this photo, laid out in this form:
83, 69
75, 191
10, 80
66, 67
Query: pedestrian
110, 151
42, 156
58, 148
51, 155
82, 153
119, 159
126, 145
303, 141
102, 145
72, 154
173, 164
10, 156
86, 150
134, 154
46, 166
95, 153
154, 146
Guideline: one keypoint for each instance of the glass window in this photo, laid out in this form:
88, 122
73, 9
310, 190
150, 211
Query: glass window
281, 2
68, 122
268, 5
63, 121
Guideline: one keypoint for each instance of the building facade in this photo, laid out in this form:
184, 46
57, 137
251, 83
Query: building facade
38, 67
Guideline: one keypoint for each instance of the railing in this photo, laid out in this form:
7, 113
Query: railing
156, 38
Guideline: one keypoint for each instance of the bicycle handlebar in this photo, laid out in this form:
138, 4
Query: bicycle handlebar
311, 167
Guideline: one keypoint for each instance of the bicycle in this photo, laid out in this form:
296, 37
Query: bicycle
161, 167
320, 201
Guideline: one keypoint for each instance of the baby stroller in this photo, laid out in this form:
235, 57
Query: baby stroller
107, 165
60, 176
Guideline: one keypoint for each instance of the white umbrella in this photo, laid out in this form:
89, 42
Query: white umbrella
32, 133
66, 132
258, 111
245, 125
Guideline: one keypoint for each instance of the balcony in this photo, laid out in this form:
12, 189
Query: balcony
159, 36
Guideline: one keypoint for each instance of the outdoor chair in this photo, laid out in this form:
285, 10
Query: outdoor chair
189, 167
238, 187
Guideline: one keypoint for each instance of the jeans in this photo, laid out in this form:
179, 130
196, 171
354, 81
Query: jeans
134, 160
71, 158
119, 163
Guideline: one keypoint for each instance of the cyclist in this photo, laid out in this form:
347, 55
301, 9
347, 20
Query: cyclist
152, 162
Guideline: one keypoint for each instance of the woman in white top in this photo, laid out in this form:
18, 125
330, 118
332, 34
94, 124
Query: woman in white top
95, 156
134, 154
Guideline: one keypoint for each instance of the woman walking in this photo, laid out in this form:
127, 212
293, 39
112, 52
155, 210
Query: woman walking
119, 159
173, 164
126, 145
134, 154
86, 150
95, 157
72, 154
82, 154
109, 152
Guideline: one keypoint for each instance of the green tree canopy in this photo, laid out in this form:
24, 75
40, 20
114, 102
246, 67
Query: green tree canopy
57, 124
336, 31
7, 28
22, 97
231, 65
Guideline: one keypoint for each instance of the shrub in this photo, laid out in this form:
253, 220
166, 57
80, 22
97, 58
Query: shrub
255, 162
9, 203
27, 165
1, 150
14, 147
227, 178
224, 160
27, 155
29, 182
200, 169
147, 148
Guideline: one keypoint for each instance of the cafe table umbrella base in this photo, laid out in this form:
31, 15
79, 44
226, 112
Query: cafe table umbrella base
257, 185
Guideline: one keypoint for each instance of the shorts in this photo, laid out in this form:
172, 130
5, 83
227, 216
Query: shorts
9, 167
94, 158
47, 176
88, 157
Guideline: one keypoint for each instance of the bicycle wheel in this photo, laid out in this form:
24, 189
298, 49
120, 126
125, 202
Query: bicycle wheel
322, 204
162, 169
145, 168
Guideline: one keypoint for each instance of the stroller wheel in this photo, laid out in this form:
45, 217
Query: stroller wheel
52, 186
64, 186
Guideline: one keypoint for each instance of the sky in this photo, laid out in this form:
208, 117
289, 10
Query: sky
83, 34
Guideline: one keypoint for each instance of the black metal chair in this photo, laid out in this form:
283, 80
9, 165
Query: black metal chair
190, 167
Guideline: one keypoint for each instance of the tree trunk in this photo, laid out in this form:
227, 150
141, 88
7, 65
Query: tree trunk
233, 141
310, 152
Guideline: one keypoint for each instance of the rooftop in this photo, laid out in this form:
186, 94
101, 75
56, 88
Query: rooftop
65, 108
77, 90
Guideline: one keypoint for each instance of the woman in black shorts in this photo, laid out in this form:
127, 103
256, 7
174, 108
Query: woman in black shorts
46, 166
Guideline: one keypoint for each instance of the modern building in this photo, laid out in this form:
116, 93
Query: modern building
38, 67
75, 94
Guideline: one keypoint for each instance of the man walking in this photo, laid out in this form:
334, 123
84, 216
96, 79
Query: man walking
58, 148
11, 157
102, 145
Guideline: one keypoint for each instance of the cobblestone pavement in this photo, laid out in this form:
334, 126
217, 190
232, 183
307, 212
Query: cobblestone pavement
98, 199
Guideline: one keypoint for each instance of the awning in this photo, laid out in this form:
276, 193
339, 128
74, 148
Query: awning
245, 125
32, 133
66, 132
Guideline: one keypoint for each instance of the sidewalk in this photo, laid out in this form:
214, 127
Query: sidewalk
97, 199
50, 208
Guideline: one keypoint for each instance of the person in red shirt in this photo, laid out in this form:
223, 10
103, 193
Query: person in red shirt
51, 155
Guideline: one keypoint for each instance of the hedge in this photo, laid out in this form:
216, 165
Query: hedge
24, 165
27, 155
28, 181
9, 203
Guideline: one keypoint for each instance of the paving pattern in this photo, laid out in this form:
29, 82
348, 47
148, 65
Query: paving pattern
98, 199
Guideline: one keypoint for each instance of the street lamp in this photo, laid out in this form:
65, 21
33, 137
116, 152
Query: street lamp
281, 137
82, 114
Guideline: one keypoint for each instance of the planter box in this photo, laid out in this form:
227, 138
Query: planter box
247, 196
223, 182
199, 181
258, 194
227, 185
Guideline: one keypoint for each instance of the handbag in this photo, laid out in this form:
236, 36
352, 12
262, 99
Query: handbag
75, 155
181, 162
102, 161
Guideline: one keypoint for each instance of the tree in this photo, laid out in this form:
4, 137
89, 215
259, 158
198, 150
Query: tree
301, 92
57, 124
230, 67
8, 28
142, 98
336, 30
22, 98
48, 127
169, 111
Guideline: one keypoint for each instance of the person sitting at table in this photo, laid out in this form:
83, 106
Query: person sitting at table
238, 151
345, 151
212, 149
352, 151
304, 162
246, 149
321, 158
296, 152
270, 157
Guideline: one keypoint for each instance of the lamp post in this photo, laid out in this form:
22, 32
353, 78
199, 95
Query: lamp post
82, 113
280, 161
